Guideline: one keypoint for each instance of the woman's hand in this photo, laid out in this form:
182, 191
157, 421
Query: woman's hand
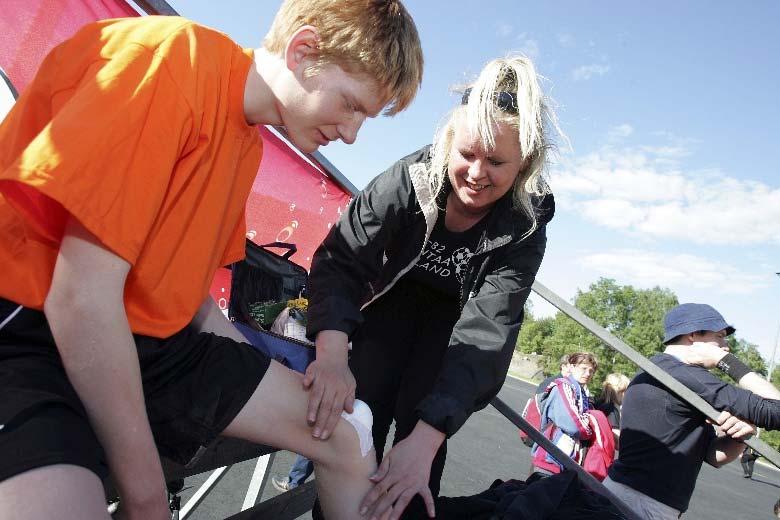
404, 473
331, 383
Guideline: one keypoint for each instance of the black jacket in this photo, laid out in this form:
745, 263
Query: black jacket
380, 238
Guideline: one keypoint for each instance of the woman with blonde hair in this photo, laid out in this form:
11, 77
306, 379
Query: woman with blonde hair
612, 391
427, 273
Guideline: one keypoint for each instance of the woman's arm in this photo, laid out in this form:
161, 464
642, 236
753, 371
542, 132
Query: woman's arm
85, 310
350, 257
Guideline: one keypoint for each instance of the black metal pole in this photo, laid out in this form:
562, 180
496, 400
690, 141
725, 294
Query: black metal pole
587, 479
160, 7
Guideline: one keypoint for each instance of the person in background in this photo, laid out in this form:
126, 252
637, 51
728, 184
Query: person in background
301, 470
612, 391
565, 370
564, 418
748, 461
531, 411
664, 440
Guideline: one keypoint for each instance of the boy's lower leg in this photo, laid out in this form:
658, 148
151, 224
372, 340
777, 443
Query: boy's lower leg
276, 415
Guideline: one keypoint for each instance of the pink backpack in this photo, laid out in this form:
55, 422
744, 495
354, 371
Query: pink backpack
601, 453
532, 415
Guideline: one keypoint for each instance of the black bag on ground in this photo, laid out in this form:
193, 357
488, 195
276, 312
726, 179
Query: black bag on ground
557, 497
262, 280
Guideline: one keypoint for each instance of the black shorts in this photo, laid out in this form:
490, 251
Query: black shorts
194, 385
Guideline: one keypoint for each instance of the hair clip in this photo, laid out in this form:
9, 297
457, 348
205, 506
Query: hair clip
506, 101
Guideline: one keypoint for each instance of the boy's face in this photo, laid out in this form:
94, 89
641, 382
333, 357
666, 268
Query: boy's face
329, 105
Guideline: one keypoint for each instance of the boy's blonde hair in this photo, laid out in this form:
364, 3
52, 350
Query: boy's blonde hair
377, 38
534, 120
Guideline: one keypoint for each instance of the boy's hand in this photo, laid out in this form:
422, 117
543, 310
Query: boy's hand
735, 427
330, 382
699, 353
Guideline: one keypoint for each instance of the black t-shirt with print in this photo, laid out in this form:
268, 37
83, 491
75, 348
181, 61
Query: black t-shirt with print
442, 264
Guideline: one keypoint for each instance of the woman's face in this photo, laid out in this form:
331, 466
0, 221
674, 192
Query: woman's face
480, 177
582, 372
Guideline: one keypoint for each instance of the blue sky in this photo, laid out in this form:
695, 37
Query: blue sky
672, 114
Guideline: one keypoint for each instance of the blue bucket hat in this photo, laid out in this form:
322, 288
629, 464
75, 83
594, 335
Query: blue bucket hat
693, 317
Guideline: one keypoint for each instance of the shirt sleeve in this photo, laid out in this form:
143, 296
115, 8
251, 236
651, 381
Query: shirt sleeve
107, 155
762, 412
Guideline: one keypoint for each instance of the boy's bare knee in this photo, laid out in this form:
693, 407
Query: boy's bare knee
361, 419
352, 440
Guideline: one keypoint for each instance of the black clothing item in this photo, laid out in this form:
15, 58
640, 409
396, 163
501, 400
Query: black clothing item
611, 410
546, 382
664, 440
443, 263
194, 385
556, 497
394, 353
380, 238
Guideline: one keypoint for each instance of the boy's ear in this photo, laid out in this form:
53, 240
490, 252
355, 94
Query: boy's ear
303, 47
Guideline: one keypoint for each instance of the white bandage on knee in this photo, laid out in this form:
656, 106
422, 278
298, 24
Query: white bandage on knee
361, 419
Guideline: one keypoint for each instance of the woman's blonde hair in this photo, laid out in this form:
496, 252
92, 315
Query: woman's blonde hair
373, 37
533, 119
612, 387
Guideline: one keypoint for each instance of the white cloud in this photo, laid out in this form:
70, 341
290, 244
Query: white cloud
504, 29
643, 191
649, 269
585, 72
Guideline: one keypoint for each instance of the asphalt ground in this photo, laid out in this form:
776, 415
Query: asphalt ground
488, 448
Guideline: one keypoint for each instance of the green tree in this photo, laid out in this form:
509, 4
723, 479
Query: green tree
633, 315
534, 334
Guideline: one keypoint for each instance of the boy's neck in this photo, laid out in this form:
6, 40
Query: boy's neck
260, 106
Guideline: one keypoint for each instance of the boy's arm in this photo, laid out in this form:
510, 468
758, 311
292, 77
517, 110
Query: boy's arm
210, 318
708, 355
85, 310
758, 385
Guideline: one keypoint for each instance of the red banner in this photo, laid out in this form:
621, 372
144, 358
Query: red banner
30, 29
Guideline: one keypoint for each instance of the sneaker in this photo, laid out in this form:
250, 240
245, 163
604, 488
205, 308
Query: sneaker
282, 484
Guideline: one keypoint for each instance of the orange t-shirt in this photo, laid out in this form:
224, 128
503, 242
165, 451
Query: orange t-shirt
136, 128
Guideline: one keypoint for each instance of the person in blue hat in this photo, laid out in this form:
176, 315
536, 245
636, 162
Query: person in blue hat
665, 440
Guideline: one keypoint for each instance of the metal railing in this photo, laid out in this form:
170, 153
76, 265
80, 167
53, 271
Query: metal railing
645, 364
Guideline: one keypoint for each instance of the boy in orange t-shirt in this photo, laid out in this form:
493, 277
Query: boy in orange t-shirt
124, 170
